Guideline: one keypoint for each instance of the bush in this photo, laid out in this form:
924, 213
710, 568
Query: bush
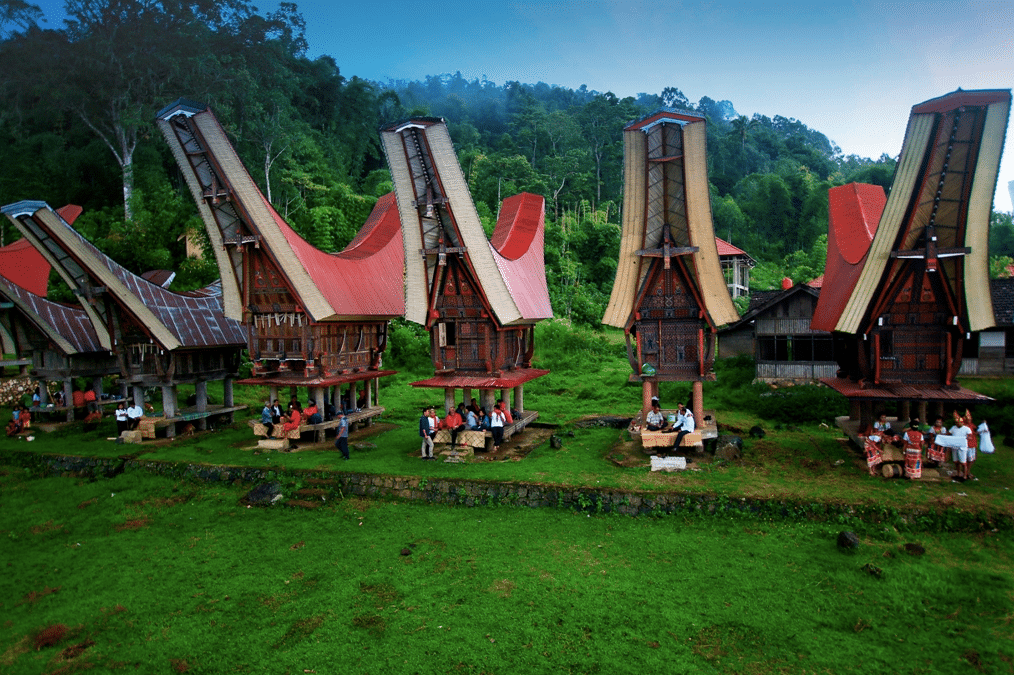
409, 347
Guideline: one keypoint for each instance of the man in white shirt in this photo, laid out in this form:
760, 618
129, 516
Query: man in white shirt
134, 415
685, 423
959, 451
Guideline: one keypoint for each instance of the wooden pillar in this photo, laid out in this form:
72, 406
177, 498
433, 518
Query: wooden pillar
336, 398
97, 388
43, 393
519, 398
466, 396
487, 399
448, 399
865, 415
904, 412
139, 396
318, 398
699, 403
353, 394
272, 393
924, 412
124, 389
855, 410
938, 409
68, 398
369, 392
201, 390
169, 407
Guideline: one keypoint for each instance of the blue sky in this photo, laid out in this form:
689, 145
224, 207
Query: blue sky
851, 70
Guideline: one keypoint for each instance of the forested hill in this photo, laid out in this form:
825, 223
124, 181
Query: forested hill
76, 126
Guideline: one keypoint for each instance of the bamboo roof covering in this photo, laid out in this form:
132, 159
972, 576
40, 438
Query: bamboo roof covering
356, 283
436, 209
172, 320
666, 184
943, 187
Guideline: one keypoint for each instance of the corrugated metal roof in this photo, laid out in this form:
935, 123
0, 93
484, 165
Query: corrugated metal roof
853, 212
900, 392
69, 328
21, 264
727, 249
508, 380
518, 248
365, 279
191, 321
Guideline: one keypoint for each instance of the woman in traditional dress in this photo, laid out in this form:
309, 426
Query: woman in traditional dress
871, 444
935, 452
913, 451
973, 443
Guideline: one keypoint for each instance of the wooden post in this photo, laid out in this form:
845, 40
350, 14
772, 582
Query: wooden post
923, 412
201, 389
519, 398
124, 389
466, 395
43, 393
97, 388
139, 396
699, 403
904, 412
169, 407
487, 399
448, 399
865, 415
353, 395
68, 397
273, 393
938, 409
318, 398
855, 410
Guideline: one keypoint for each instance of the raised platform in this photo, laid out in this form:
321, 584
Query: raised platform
706, 429
484, 439
365, 415
148, 425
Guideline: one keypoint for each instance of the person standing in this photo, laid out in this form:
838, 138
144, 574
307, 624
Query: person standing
985, 438
913, 450
935, 452
959, 448
122, 421
291, 423
496, 422
342, 441
427, 430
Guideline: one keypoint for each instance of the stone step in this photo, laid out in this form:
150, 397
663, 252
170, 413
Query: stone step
273, 444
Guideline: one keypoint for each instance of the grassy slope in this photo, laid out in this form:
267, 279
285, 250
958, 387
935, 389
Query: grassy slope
175, 577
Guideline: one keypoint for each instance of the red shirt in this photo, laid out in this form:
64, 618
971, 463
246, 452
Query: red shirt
78, 398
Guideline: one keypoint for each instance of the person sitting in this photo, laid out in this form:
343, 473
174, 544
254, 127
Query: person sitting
36, 398
685, 423
505, 409
483, 419
883, 429
312, 414
276, 412
474, 406
14, 426
77, 397
361, 400
25, 418
454, 424
91, 400
291, 422
471, 419
134, 415
267, 417
655, 420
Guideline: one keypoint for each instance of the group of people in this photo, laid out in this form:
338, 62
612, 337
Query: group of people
272, 416
683, 424
963, 440
128, 417
464, 418
21, 419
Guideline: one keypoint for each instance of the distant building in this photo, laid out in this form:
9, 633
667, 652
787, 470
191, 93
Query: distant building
736, 265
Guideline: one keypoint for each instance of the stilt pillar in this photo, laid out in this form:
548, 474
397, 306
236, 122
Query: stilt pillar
201, 391
519, 398
169, 407
699, 403
448, 399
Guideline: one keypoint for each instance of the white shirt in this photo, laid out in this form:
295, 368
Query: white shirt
134, 412
121, 415
688, 421
497, 418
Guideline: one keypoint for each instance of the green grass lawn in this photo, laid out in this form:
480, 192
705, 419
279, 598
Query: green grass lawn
142, 574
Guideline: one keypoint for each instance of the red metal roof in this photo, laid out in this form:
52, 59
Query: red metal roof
956, 99
507, 380
70, 323
900, 392
518, 248
854, 212
365, 279
69, 213
725, 248
816, 283
24, 266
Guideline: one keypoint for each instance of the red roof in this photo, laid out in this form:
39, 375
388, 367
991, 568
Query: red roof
507, 380
900, 392
23, 265
518, 248
816, 283
725, 248
854, 212
365, 279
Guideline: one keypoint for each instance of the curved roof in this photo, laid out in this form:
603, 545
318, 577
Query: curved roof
69, 328
853, 213
22, 265
518, 248
945, 180
174, 320
356, 283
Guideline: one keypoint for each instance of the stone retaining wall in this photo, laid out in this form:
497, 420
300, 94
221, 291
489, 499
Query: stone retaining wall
471, 493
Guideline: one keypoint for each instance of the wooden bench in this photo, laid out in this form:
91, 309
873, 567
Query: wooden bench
484, 439
356, 418
661, 439
147, 425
